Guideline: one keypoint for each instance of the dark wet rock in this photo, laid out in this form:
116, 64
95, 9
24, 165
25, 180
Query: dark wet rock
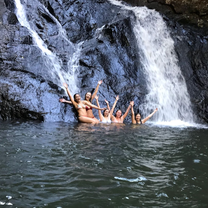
22, 62
30, 91
192, 52
112, 57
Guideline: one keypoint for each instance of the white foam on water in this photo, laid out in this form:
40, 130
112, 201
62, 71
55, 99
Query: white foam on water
9, 204
131, 180
179, 124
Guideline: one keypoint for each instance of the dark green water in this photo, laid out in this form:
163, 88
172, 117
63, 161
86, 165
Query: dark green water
69, 165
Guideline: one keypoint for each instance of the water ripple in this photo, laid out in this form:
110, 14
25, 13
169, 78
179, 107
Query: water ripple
83, 166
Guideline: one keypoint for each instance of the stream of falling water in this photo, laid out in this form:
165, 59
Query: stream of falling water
166, 84
53, 62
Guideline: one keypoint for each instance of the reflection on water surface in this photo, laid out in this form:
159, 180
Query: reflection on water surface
80, 165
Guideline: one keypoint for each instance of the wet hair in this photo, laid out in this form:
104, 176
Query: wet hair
140, 117
75, 95
92, 91
75, 112
117, 111
137, 114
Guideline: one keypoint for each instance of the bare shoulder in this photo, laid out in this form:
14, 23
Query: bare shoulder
122, 118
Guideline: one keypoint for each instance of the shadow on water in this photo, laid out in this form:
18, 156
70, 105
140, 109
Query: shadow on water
81, 165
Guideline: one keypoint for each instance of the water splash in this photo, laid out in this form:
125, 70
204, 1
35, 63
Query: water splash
166, 85
53, 63
178, 124
134, 180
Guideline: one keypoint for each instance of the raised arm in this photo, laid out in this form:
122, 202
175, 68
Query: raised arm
96, 90
132, 113
148, 117
99, 111
127, 110
62, 100
107, 103
70, 96
114, 105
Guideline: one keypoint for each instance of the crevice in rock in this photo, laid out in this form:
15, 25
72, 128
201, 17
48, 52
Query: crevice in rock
47, 18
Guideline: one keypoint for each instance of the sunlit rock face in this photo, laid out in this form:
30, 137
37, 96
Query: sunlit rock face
30, 88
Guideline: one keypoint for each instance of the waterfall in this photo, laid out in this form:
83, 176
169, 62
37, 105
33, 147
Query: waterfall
53, 63
167, 89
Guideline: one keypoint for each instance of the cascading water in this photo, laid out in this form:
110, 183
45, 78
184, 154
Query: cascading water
166, 85
53, 63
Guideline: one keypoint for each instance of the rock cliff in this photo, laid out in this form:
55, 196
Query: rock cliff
29, 87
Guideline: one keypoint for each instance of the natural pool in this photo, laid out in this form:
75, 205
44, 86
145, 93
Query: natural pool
77, 165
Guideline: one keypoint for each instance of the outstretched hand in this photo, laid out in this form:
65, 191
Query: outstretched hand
62, 100
132, 103
65, 85
156, 109
96, 97
106, 102
117, 97
100, 82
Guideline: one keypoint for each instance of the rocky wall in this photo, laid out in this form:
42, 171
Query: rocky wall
109, 52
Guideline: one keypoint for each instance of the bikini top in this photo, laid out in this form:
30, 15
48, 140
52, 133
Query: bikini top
106, 121
88, 108
81, 106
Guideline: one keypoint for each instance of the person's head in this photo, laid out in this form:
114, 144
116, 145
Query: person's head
138, 117
77, 98
118, 114
106, 113
88, 96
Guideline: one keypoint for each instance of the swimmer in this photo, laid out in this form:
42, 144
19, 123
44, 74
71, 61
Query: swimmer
80, 106
137, 118
89, 98
105, 118
119, 118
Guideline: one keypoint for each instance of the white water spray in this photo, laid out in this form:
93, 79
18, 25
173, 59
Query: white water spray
166, 85
53, 63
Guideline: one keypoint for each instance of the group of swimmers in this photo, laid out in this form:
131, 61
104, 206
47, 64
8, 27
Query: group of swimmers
85, 113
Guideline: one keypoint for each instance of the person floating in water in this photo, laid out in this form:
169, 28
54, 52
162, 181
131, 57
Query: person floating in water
136, 119
106, 117
81, 106
89, 98
119, 118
